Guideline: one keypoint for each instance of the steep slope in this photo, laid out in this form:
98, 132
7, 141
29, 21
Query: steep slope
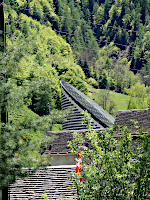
36, 53
53, 40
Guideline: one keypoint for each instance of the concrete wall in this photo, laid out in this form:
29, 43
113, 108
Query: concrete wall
63, 159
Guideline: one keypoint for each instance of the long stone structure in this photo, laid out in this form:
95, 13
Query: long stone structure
71, 97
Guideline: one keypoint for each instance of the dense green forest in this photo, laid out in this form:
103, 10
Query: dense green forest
104, 43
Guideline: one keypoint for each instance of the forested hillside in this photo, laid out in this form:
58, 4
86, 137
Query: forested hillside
102, 42
121, 24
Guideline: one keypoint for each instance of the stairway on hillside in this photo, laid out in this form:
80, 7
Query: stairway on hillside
54, 181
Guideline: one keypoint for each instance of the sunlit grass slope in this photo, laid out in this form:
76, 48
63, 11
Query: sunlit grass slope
121, 100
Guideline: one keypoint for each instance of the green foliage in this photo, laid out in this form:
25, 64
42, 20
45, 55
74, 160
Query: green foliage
93, 82
106, 102
19, 148
111, 167
104, 79
43, 43
112, 73
44, 196
23, 134
138, 97
148, 101
66, 199
75, 81
97, 25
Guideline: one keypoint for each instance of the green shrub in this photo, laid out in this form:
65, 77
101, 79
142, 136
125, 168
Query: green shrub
93, 82
111, 169
44, 196
67, 199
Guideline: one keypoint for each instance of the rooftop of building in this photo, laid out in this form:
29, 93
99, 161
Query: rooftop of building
123, 118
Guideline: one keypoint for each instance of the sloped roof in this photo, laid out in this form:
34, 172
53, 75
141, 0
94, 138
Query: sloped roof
142, 116
72, 96
123, 117
59, 145
53, 180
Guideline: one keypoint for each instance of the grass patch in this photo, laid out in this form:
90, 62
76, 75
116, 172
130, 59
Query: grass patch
121, 100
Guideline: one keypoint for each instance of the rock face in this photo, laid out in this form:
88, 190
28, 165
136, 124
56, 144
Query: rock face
54, 181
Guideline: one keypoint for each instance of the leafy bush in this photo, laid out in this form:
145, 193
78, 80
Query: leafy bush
93, 82
111, 168
45, 197
67, 199
138, 97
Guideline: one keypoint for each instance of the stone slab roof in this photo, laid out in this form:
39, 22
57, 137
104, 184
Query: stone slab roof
53, 180
59, 145
142, 116
123, 117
